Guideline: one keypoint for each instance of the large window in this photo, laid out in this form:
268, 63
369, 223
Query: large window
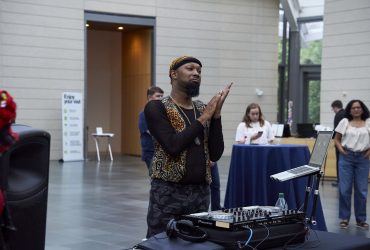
313, 101
311, 41
307, 93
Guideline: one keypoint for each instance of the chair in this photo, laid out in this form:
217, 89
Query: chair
99, 134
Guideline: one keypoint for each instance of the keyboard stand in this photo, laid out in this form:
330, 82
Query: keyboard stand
307, 194
316, 195
312, 219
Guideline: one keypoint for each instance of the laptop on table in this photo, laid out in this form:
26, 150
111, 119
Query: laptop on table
319, 152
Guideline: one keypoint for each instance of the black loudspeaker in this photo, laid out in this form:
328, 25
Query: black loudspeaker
185, 229
27, 162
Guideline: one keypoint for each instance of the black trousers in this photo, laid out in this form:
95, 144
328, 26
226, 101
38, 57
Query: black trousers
169, 200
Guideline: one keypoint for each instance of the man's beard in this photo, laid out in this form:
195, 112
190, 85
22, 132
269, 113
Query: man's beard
192, 89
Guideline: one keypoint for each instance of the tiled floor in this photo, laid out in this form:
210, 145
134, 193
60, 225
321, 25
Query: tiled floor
94, 206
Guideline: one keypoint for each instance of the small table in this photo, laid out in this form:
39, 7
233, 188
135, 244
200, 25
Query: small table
103, 135
249, 181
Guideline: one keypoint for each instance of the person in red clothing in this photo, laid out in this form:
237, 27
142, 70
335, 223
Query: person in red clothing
7, 138
7, 117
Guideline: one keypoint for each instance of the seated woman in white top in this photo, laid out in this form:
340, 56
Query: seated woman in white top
254, 129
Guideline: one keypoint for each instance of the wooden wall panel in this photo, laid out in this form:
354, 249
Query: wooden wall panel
136, 78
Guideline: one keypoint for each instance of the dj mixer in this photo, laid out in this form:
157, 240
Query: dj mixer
245, 217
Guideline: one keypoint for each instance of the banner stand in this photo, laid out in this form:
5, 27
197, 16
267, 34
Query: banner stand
72, 124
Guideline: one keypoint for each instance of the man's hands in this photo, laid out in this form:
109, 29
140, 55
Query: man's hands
224, 93
214, 106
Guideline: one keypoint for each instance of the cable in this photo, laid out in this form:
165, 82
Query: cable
317, 239
250, 236
268, 234
249, 239
255, 248
306, 245
285, 246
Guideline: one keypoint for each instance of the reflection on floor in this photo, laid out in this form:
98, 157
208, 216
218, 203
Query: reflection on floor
94, 206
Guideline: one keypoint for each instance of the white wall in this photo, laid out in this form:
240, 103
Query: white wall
42, 52
235, 41
42, 55
345, 55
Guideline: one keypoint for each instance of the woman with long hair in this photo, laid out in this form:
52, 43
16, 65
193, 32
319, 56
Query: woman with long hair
254, 128
352, 139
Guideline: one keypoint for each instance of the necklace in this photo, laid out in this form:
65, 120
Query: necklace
196, 140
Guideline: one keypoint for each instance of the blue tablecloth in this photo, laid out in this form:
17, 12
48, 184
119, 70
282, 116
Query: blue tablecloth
249, 181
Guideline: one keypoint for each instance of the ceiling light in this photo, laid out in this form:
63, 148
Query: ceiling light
120, 28
87, 25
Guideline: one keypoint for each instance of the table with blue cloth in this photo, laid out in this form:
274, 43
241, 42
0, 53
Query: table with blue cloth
249, 181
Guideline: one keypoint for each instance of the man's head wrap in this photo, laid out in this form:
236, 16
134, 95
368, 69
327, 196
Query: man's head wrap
179, 61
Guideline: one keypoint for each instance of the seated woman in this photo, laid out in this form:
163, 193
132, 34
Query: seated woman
254, 129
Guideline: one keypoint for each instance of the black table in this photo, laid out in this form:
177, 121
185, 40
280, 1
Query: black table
316, 240
319, 240
249, 181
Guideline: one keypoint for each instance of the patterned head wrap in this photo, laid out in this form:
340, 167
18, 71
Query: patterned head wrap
179, 61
